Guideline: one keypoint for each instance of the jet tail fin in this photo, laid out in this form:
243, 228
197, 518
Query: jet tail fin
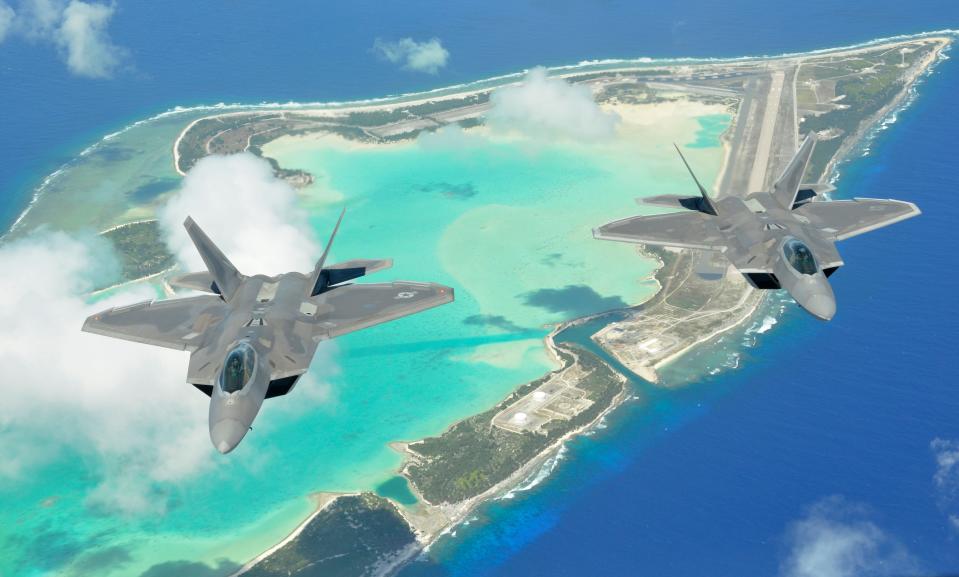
225, 276
787, 187
704, 204
326, 250
317, 278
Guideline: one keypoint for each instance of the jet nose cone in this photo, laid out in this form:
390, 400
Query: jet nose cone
821, 306
226, 434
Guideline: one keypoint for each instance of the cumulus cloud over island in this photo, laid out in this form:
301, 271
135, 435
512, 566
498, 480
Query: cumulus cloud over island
248, 212
125, 407
428, 56
72, 392
78, 29
547, 107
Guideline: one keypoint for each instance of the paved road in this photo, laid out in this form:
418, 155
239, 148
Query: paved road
764, 136
757, 174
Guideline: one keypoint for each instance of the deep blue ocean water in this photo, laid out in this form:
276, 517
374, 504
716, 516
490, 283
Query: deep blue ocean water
708, 480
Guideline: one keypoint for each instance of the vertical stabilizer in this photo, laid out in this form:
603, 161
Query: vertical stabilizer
706, 205
787, 186
317, 279
224, 274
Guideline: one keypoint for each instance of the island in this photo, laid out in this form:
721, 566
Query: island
843, 95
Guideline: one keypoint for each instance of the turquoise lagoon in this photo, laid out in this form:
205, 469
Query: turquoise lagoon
504, 220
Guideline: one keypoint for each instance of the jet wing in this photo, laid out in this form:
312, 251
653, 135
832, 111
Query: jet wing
353, 307
197, 281
681, 229
842, 219
174, 324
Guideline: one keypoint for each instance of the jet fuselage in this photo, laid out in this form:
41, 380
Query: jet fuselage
766, 235
264, 310
781, 239
251, 338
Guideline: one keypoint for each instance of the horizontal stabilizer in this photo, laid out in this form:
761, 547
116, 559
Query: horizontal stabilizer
676, 201
347, 271
808, 192
817, 187
197, 281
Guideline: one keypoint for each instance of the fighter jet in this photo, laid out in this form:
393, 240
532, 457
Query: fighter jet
781, 239
252, 337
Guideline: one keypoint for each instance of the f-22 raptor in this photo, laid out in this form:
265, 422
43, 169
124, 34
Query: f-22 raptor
253, 337
784, 238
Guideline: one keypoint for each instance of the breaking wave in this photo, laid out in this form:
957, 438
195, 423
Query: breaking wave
548, 466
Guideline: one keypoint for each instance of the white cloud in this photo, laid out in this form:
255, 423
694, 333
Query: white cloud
6, 20
545, 107
83, 36
65, 390
428, 56
946, 453
77, 28
946, 477
124, 407
449, 137
40, 18
249, 213
837, 539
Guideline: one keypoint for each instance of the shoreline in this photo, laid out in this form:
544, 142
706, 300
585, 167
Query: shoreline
869, 125
747, 315
459, 91
323, 500
867, 130
463, 509
463, 89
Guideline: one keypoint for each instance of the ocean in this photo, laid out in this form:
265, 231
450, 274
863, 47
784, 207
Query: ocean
710, 478
713, 479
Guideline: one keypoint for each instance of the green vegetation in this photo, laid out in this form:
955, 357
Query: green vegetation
862, 88
370, 118
234, 133
473, 455
140, 248
353, 536
210, 135
437, 106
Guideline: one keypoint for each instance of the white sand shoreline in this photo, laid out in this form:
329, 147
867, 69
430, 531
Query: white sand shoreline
527, 469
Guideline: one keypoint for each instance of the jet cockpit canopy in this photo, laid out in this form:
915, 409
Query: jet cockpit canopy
238, 368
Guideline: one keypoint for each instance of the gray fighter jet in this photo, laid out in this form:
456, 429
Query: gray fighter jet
784, 238
253, 337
